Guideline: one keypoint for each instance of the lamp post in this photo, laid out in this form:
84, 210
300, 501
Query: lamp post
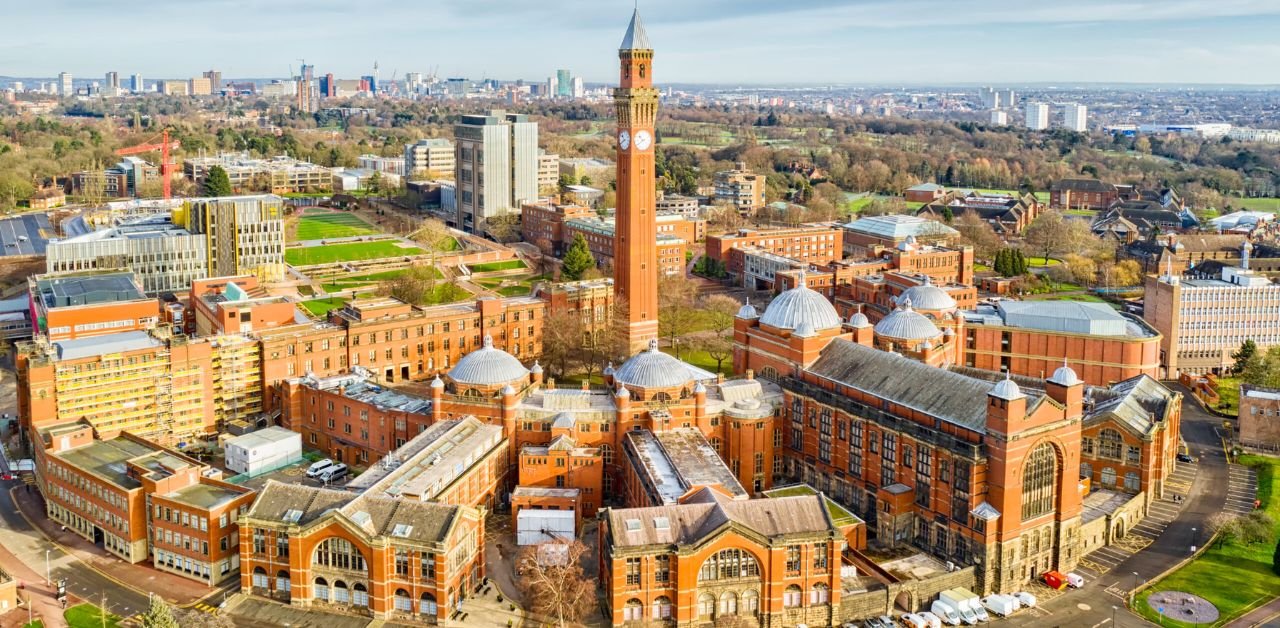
1113, 614
47, 580
1195, 538
1135, 581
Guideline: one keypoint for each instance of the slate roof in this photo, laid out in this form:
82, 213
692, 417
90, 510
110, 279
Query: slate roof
1083, 185
1138, 402
428, 521
636, 38
939, 393
707, 510
276, 498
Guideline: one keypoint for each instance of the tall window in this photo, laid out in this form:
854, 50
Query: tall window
1039, 483
1110, 444
728, 603
663, 571
633, 571
338, 554
729, 563
706, 605
792, 596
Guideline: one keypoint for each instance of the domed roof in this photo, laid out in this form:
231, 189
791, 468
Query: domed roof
1065, 376
905, 323
652, 368
748, 311
908, 244
488, 366
801, 304
805, 330
1006, 389
858, 319
927, 296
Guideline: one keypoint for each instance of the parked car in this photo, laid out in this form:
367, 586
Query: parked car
318, 466
333, 474
1075, 580
1184, 457
1026, 599
934, 620
912, 620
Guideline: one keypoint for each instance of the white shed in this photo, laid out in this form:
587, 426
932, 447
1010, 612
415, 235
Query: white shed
542, 526
262, 451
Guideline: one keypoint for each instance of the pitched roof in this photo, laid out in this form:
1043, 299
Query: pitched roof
427, 522
636, 38
1083, 185
1138, 403
275, 499
707, 510
937, 392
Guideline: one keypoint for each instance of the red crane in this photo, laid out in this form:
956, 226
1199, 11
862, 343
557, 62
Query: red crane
166, 166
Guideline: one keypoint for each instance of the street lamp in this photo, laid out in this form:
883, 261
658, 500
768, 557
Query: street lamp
1135, 581
47, 580
1195, 537
1113, 614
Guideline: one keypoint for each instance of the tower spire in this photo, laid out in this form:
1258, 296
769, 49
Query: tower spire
636, 38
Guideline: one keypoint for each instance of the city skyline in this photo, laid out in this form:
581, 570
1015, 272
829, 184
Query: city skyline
751, 42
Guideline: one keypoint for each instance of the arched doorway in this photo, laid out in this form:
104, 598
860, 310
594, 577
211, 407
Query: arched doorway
903, 601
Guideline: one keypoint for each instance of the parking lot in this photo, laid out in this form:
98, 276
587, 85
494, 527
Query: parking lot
24, 235
293, 474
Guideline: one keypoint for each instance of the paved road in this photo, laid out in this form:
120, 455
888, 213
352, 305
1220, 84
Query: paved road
33, 227
1105, 594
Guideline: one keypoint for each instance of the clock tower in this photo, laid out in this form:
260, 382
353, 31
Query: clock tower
635, 256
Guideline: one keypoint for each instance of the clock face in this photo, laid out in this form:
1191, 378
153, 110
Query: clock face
624, 140
643, 139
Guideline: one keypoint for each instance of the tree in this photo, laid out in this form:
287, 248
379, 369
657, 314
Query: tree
374, 186
1264, 370
193, 617
1223, 526
553, 580
217, 183
415, 286
947, 214
577, 260
1275, 560
561, 337
719, 311
977, 233
1050, 234
1255, 528
565, 181
504, 227
1245, 354
678, 311
159, 615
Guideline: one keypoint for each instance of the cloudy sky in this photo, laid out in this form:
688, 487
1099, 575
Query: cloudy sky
702, 41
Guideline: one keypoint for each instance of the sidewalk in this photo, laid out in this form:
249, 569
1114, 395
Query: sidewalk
45, 606
140, 577
1265, 615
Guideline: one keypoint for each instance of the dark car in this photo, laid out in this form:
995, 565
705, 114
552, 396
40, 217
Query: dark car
1185, 457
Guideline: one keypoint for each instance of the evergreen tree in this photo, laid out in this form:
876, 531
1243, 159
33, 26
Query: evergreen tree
217, 183
159, 615
947, 214
1244, 355
577, 260
1002, 262
1275, 560
1020, 264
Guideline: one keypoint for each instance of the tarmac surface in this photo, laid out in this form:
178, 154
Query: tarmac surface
34, 227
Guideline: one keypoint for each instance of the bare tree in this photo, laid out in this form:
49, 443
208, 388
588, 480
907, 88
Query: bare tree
561, 337
719, 311
553, 579
719, 346
678, 310
1225, 526
977, 233
504, 227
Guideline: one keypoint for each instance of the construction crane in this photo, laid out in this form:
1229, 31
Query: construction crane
166, 166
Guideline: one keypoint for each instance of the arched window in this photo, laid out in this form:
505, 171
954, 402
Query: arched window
471, 392
706, 605
260, 578
336, 553
1039, 482
769, 373
282, 581
1108, 477
322, 590
662, 608
403, 602
1086, 470
791, 598
359, 595
661, 396
641, 70
427, 605
1132, 482
633, 611
821, 594
750, 602
727, 564
1110, 445
728, 603
340, 593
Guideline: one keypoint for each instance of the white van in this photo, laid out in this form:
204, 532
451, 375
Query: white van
946, 612
333, 474
959, 601
1075, 580
934, 620
318, 466
1002, 605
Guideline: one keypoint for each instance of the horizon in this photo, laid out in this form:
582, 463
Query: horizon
712, 43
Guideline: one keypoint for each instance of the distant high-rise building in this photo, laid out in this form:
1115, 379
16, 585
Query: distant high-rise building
1008, 98
552, 87
429, 157
579, 89
497, 167
215, 80
1075, 117
304, 88
17, 87
201, 86
66, 84
372, 81
136, 83
564, 84
113, 81
993, 98
999, 118
1037, 116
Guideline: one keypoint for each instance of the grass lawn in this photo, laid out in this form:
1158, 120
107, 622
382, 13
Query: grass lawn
1234, 577
489, 267
515, 291
324, 225
35, 624
1229, 393
980, 267
1255, 204
321, 307
89, 616
1041, 262
351, 252
839, 515
1086, 297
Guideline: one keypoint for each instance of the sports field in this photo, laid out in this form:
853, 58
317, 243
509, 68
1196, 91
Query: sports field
350, 252
322, 224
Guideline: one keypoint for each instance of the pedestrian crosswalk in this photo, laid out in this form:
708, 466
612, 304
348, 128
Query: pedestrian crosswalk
205, 608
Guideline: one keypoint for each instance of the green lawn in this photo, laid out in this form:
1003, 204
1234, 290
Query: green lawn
351, 252
1255, 204
321, 307
89, 616
980, 267
1041, 262
1229, 394
1235, 577
839, 515
515, 291
35, 624
489, 267
1086, 297
322, 225
701, 359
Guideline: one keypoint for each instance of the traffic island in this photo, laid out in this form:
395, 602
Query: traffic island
1183, 607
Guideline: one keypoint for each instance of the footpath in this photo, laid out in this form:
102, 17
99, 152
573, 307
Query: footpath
34, 592
143, 579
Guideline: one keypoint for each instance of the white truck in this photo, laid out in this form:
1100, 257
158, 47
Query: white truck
974, 604
946, 613
960, 603
1001, 605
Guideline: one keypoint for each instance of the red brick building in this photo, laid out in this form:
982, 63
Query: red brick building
812, 244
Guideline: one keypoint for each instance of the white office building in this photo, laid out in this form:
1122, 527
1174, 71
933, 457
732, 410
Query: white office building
429, 158
1037, 116
1075, 117
999, 118
66, 84
497, 167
